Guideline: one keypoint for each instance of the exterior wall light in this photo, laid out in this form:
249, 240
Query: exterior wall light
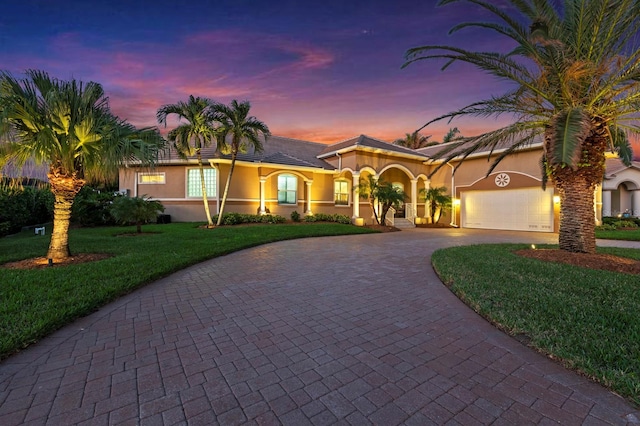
556, 199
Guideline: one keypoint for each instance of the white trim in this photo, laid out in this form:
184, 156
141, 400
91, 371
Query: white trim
400, 167
286, 167
140, 175
495, 173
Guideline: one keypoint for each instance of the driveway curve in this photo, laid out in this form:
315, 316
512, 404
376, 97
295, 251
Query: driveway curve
336, 330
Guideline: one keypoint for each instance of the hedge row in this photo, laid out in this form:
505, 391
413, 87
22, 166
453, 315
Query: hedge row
23, 205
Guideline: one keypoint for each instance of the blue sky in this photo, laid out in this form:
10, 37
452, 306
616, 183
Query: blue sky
317, 70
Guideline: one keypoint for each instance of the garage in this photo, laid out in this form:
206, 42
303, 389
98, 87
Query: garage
524, 209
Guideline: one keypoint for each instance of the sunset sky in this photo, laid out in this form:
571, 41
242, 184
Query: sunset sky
322, 71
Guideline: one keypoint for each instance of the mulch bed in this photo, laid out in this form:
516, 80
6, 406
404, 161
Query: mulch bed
607, 262
43, 262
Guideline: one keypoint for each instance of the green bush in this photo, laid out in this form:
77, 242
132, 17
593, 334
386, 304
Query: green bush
606, 227
323, 217
295, 216
613, 220
136, 210
23, 206
92, 207
240, 218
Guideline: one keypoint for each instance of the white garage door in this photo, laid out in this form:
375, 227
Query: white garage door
529, 209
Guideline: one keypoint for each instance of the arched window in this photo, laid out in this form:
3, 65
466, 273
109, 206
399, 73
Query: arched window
341, 192
287, 189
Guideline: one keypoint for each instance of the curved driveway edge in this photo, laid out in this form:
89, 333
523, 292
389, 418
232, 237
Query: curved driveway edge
334, 330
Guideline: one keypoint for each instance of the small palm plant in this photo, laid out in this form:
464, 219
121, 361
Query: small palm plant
388, 196
437, 200
136, 210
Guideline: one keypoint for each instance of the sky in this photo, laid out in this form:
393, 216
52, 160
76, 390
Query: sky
323, 71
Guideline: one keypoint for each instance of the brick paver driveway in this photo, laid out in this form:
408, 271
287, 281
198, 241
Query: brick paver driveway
348, 330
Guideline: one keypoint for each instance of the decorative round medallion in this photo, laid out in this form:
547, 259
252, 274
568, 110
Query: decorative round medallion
502, 179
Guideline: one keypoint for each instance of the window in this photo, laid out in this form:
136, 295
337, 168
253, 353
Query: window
341, 190
151, 178
287, 189
194, 186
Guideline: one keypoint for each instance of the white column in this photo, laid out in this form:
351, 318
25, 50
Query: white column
414, 197
427, 186
309, 197
355, 195
636, 203
263, 209
606, 203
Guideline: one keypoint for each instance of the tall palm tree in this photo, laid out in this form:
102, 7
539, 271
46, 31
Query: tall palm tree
237, 132
575, 86
414, 141
368, 188
191, 137
67, 125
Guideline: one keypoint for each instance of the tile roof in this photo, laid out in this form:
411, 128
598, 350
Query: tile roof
277, 150
368, 142
615, 165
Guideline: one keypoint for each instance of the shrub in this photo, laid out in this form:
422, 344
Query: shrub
136, 210
606, 227
239, 218
295, 216
323, 217
92, 207
23, 206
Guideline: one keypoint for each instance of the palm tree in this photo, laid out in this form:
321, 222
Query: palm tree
191, 137
452, 134
136, 210
387, 196
414, 141
438, 201
243, 130
575, 86
68, 125
368, 188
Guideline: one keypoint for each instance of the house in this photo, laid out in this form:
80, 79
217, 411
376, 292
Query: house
307, 177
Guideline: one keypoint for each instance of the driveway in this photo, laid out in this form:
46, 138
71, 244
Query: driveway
337, 330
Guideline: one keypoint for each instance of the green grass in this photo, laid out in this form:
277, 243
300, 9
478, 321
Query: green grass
588, 319
36, 302
627, 234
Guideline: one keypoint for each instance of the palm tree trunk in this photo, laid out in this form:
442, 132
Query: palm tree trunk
234, 154
577, 217
204, 190
373, 209
576, 189
64, 190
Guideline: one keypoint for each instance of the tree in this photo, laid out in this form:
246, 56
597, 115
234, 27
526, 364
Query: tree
189, 138
438, 200
367, 189
380, 193
387, 196
452, 135
237, 132
137, 210
574, 79
68, 125
414, 141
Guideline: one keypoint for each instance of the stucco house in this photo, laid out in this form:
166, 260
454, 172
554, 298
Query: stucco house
308, 177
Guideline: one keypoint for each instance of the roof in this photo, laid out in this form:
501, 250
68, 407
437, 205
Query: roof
615, 165
29, 170
367, 142
458, 147
276, 150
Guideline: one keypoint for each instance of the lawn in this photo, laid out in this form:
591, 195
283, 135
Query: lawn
37, 302
589, 319
625, 234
